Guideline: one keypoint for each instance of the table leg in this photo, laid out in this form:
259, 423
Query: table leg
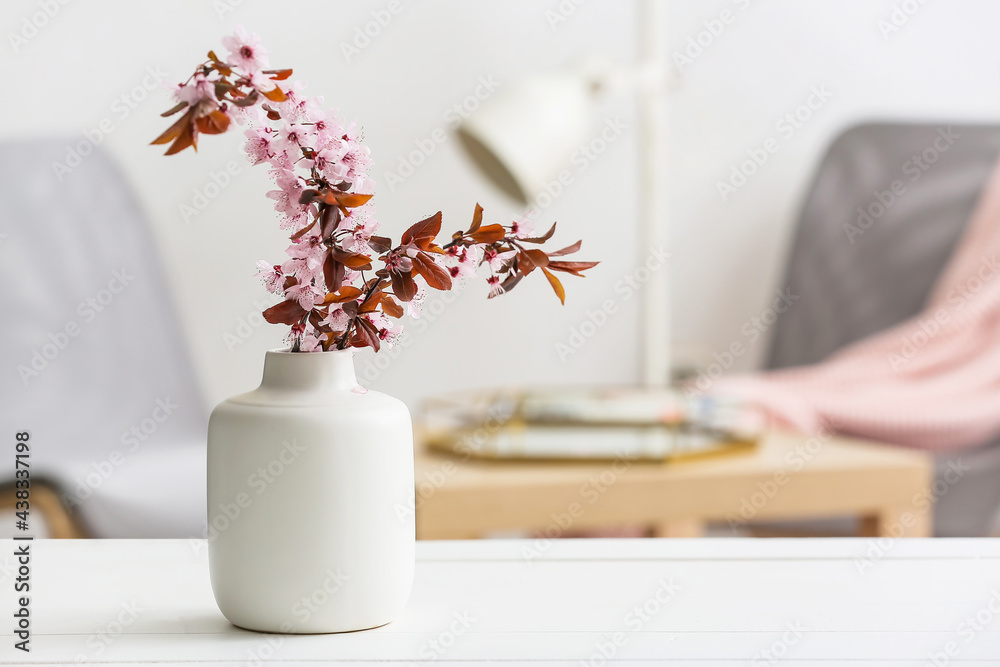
897, 522
680, 528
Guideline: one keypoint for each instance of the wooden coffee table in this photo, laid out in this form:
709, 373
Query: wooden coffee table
786, 477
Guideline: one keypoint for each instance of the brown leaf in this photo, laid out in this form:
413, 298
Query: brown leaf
366, 332
186, 138
572, 267
435, 275
276, 94
556, 286
278, 74
333, 273
390, 307
380, 243
489, 234
215, 122
344, 294
511, 281
544, 237
286, 312
403, 286
425, 230
330, 218
172, 110
477, 219
302, 232
174, 130
531, 259
248, 100
372, 302
345, 199
352, 260
568, 250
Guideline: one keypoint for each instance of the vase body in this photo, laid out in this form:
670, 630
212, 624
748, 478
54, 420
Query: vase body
306, 478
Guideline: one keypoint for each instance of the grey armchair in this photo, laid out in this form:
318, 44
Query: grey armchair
867, 253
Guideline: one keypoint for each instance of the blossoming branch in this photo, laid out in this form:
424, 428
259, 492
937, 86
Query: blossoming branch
334, 297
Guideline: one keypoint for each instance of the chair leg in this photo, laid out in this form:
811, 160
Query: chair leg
45, 502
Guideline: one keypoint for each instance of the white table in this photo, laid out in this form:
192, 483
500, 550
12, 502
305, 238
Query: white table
708, 602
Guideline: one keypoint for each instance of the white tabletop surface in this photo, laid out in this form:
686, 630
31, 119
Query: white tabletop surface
697, 602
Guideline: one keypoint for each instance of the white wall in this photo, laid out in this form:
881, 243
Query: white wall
728, 256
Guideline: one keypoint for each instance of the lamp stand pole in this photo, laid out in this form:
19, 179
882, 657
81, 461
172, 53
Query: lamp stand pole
652, 113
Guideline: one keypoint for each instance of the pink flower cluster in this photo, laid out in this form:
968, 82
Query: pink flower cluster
332, 295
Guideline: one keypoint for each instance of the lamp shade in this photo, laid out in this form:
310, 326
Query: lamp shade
524, 135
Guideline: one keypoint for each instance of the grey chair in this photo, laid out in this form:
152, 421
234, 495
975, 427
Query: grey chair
94, 362
855, 284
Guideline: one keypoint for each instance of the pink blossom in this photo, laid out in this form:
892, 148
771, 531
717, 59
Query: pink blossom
305, 294
198, 90
414, 305
496, 260
245, 50
291, 138
260, 82
336, 319
309, 249
272, 276
390, 336
258, 146
495, 288
523, 228
464, 264
311, 342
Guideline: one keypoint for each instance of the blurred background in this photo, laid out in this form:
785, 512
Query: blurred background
738, 71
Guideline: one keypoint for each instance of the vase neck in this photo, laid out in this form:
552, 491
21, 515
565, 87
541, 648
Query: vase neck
309, 371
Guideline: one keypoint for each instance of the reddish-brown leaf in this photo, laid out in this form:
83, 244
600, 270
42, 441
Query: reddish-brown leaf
425, 230
572, 267
435, 275
390, 307
302, 232
333, 273
403, 286
174, 130
352, 260
344, 294
345, 199
372, 302
380, 243
511, 281
174, 109
247, 100
544, 237
366, 334
276, 94
278, 74
556, 286
186, 138
215, 122
531, 259
489, 234
477, 219
330, 218
568, 250
286, 312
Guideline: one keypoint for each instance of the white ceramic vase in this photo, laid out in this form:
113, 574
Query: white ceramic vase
306, 478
